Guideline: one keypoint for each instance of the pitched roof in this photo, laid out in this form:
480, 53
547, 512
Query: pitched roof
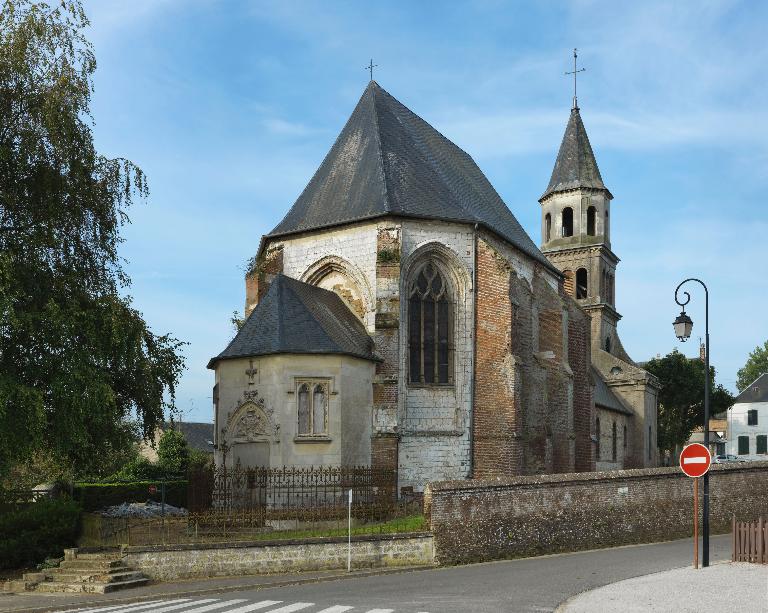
576, 165
295, 317
604, 396
757, 391
389, 161
199, 435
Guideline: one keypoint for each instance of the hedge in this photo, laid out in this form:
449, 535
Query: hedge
42, 529
96, 496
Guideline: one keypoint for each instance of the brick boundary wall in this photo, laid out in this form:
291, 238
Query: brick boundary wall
201, 560
525, 516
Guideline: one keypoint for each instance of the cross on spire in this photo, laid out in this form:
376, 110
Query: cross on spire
370, 68
574, 73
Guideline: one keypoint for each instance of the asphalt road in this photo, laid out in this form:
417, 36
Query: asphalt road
533, 584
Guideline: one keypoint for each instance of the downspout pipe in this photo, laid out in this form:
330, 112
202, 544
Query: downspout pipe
474, 364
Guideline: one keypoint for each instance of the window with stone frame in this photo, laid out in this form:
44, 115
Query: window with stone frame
614, 438
312, 407
430, 328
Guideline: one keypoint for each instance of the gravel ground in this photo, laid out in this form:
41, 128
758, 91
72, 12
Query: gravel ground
720, 587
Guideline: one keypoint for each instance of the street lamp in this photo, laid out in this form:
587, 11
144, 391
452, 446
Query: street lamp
683, 326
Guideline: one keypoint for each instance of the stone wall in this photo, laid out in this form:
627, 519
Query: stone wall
523, 516
174, 562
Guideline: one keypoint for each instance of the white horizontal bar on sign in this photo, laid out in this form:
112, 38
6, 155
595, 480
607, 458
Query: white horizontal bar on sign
698, 460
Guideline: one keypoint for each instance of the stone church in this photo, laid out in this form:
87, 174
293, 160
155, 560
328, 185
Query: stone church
399, 316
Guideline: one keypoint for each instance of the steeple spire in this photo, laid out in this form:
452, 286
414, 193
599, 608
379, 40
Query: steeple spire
575, 72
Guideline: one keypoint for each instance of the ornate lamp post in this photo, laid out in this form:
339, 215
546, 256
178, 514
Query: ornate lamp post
683, 326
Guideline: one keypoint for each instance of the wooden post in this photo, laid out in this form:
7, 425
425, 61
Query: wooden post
696, 522
760, 548
733, 538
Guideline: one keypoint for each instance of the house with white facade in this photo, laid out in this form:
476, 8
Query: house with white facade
748, 421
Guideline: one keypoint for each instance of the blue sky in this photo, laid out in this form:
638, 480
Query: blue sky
229, 107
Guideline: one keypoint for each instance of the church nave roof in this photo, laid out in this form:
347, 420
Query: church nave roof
389, 161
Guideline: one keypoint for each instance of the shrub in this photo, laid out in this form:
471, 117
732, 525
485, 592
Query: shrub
173, 452
95, 496
32, 533
137, 469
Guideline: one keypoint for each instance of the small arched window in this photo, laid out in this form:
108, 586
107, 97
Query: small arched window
430, 334
614, 439
625, 440
567, 225
597, 437
312, 409
547, 227
318, 410
608, 344
581, 283
591, 211
304, 427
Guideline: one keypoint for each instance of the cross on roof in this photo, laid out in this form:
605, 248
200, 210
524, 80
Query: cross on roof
574, 73
370, 68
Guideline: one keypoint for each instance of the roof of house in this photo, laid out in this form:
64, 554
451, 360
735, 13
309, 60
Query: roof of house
605, 397
757, 391
199, 435
576, 165
387, 161
295, 317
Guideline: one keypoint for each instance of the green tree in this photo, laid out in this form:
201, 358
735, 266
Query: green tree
76, 359
756, 365
681, 399
173, 452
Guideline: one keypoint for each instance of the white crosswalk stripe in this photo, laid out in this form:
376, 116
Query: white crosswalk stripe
183, 605
296, 606
215, 605
210, 607
255, 606
103, 609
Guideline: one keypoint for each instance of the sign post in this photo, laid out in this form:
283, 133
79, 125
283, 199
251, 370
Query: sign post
695, 461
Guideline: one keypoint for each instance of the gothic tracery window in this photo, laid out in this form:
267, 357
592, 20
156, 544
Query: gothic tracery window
430, 328
312, 409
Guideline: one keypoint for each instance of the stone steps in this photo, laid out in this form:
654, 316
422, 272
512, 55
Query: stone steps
89, 573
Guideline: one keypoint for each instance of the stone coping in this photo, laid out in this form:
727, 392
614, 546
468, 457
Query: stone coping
560, 478
317, 540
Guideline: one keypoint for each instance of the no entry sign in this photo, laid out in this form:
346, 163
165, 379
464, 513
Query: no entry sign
695, 460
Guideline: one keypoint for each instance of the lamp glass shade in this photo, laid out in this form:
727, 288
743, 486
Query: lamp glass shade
683, 326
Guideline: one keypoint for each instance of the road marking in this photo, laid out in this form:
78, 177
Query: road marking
380, 611
182, 605
698, 460
296, 606
263, 604
339, 608
209, 607
126, 608
112, 608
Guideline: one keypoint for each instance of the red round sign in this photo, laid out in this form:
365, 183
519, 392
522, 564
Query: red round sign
153, 489
695, 460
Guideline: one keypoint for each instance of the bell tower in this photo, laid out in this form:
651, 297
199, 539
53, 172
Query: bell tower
576, 232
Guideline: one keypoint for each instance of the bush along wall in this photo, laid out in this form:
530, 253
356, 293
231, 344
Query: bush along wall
31, 533
96, 496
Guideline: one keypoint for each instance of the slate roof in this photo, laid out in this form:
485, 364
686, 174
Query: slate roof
576, 165
388, 161
295, 317
199, 435
757, 391
604, 396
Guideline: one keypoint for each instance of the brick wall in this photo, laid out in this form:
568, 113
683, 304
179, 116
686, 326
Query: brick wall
523, 516
258, 280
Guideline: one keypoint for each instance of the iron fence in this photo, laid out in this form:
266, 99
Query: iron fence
290, 489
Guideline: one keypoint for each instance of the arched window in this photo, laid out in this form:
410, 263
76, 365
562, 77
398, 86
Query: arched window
591, 220
581, 283
304, 427
608, 344
312, 409
568, 282
430, 334
567, 224
613, 442
547, 227
625, 440
597, 436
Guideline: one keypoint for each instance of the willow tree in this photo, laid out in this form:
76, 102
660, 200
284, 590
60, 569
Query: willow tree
77, 361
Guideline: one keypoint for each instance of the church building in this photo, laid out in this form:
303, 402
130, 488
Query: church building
399, 316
